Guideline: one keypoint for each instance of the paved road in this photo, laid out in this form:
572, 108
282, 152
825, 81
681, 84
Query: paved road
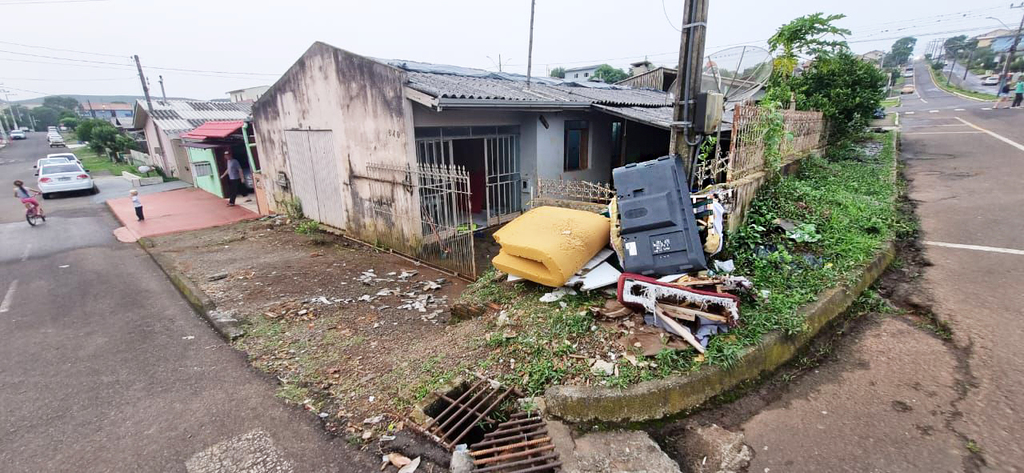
104, 367
896, 397
971, 82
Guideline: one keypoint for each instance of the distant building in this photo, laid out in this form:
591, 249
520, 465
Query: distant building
640, 67
659, 78
985, 39
250, 94
105, 111
873, 56
581, 74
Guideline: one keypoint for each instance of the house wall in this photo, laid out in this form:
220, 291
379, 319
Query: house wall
209, 183
157, 145
362, 103
582, 75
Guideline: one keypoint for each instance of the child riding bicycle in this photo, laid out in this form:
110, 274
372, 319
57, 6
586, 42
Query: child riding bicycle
26, 195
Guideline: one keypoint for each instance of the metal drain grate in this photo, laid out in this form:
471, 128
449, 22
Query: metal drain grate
520, 445
470, 410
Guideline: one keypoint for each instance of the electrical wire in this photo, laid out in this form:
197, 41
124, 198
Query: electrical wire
47, 2
40, 79
174, 69
64, 50
669, 20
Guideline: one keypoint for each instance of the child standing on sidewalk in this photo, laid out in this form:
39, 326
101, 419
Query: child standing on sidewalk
138, 204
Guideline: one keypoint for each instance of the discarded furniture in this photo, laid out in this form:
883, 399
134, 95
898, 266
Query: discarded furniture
548, 245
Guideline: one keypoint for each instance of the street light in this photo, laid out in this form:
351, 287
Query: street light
1000, 22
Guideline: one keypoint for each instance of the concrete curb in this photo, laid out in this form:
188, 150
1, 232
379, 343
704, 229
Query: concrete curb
227, 326
661, 398
958, 94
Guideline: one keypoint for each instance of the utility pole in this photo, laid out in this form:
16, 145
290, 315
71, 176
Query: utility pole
691, 59
529, 55
145, 86
92, 111
951, 68
1013, 49
7, 98
967, 65
164, 92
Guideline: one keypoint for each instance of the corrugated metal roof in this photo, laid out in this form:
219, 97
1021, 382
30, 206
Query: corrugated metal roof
660, 117
496, 88
177, 116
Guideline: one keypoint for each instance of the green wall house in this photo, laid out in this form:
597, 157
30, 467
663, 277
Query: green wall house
205, 171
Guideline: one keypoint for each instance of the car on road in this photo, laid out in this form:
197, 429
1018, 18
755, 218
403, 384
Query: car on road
990, 80
67, 156
66, 177
56, 141
18, 135
908, 89
908, 73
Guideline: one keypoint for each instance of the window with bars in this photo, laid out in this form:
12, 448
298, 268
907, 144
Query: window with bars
202, 169
577, 138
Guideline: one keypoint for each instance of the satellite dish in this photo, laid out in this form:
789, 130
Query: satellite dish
737, 72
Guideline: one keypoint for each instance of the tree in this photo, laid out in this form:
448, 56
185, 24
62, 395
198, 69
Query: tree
85, 128
558, 72
609, 74
69, 122
103, 138
807, 35
845, 89
901, 51
45, 116
60, 103
20, 113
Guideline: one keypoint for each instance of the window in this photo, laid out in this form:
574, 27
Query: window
202, 169
577, 137
586, 74
576, 75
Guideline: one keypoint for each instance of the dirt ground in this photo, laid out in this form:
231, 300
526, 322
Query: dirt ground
350, 332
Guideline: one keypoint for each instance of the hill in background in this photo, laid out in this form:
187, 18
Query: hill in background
94, 99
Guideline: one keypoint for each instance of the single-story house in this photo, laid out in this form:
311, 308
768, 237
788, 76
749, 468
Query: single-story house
248, 94
171, 118
985, 39
873, 56
581, 74
335, 114
209, 148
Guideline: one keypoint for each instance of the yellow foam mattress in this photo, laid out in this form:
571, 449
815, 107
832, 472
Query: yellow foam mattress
547, 245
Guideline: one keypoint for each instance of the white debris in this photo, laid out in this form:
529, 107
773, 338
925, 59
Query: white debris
601, 367
557, 294
374, 420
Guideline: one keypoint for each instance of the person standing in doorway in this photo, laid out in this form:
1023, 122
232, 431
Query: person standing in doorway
1018, 93
234, 174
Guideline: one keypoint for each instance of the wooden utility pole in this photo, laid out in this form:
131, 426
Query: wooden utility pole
145, 86
691, 62
529, 55
164, 92
1013, 49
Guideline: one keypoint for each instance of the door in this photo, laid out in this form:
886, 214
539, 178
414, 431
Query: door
181, 162
314, 175
504, 180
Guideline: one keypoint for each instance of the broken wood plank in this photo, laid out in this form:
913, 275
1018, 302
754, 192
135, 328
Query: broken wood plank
674, 311
678, 329
693, 313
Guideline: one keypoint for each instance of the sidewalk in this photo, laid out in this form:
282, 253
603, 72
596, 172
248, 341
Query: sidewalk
174, 211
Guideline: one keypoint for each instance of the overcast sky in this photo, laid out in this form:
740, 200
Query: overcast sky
263, 38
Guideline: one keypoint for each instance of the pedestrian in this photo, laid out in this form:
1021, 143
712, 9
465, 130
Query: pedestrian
1018, 93
137, 203
1004, 93
234, 174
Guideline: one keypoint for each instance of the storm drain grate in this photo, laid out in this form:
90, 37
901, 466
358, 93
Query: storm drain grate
520, 445
465, 416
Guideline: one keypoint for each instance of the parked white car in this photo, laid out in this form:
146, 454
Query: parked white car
70, 157
990, 80
48, 160
66, 177
56, 141
18, 135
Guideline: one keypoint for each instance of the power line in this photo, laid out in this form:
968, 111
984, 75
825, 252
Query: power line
40, 79
175, 69
63, 50
46, 2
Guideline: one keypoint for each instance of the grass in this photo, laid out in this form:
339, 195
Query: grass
891, 102
96, 163
941, 82
848, 204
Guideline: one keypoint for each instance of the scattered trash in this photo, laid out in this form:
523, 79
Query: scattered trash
188, 337
374, 420
726, 266
557, 294
323, 415
462, 461
603, 275
411, 467
601, 367
397, 459
502, 319
367, 434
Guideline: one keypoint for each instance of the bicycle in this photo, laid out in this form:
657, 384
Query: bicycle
32, 214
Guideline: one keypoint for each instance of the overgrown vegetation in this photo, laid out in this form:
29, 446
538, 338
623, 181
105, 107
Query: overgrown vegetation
96, 163
843, 209
951, 87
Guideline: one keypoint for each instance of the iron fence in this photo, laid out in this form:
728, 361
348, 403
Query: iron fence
580, 195
803, 132
421, 211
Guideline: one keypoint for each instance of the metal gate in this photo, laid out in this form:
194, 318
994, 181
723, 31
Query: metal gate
434, 225
504, 181
314, 175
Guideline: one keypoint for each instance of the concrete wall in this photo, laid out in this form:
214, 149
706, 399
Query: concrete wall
362, 102
155, 138
209, 183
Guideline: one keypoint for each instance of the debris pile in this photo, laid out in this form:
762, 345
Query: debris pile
654, 244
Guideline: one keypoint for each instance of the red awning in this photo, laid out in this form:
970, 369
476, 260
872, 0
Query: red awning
213, 130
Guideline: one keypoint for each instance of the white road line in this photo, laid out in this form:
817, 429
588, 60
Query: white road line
933, 111
5, 305
944, 133
944, 124
993, 134
986, 108
922, 99
909, 113
990, 249
958, 109
24, 254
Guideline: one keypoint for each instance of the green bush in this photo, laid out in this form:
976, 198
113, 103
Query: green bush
308, 227
844, 88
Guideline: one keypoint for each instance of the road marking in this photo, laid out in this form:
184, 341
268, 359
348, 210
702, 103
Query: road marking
990, 249
933, 111
5, 305
909, 113
24, 254
922, 99
958, 109
993, 134
944, 133
944, 124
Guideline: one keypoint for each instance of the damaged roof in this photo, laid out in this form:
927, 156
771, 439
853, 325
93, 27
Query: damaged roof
177, 116
451, 82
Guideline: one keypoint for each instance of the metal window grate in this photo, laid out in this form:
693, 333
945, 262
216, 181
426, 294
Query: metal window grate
202, 169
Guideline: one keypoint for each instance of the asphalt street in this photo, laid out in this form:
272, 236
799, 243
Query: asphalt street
104, 367
896, 397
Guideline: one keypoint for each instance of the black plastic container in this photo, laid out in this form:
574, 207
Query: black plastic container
659, 231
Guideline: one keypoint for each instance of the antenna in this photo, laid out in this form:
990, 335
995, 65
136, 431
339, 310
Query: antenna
737, 72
